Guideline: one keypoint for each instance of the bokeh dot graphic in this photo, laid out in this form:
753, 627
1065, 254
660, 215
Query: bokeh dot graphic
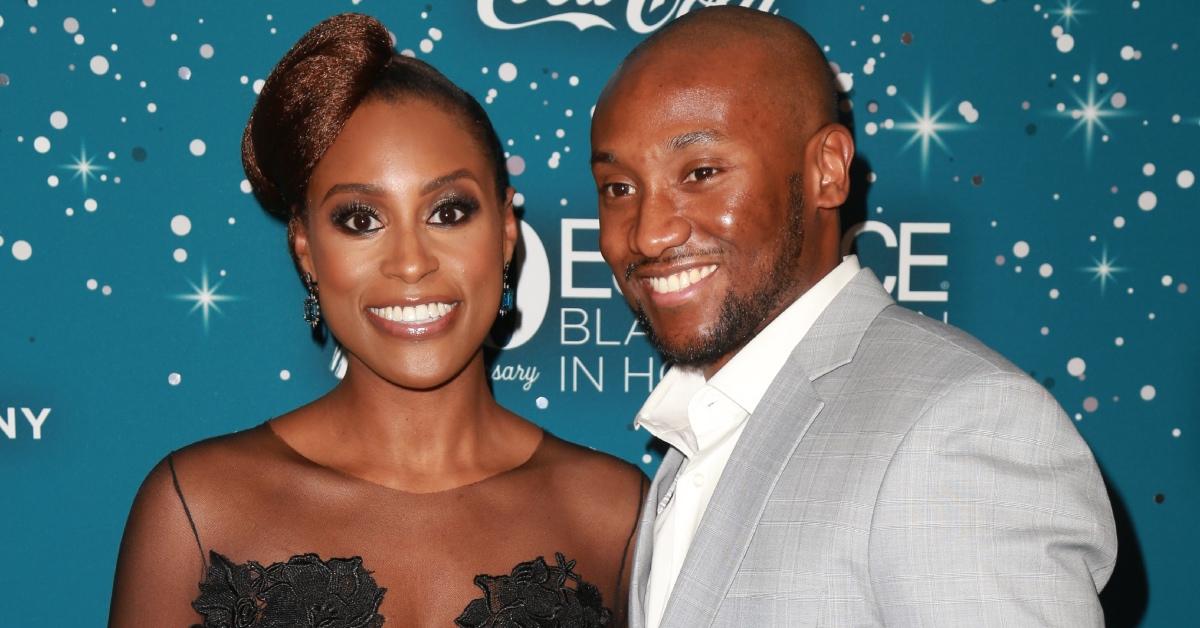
181, 225
22, 250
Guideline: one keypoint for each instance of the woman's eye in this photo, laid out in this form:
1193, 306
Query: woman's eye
451, 213
358, 219
364, 222
617, 190
700, 174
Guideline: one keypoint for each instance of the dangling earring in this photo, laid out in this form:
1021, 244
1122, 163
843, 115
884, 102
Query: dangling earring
508, 296
312, 307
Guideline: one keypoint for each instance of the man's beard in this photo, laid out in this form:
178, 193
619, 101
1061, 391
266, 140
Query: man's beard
742, 316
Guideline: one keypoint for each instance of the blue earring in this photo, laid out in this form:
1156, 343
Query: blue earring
508, 297
312, 307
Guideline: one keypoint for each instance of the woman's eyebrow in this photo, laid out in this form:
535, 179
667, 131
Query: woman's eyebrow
446, 179
361, 188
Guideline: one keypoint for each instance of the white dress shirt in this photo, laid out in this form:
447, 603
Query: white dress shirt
704, 420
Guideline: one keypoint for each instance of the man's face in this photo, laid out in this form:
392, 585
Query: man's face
701, 208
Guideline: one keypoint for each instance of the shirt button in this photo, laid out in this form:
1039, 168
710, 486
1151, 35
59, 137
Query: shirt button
698, 480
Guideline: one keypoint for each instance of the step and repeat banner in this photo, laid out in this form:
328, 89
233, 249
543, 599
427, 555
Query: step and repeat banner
1027, 173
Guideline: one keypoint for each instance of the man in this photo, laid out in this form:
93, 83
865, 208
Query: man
835, 459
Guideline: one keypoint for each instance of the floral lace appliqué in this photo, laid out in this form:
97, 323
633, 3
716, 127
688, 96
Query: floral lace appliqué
304, 591
536, 595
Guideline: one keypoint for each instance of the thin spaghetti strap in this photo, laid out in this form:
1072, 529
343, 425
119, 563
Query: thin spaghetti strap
179, 492
643, 488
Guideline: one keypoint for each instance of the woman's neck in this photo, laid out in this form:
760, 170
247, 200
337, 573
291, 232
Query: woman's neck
415, 440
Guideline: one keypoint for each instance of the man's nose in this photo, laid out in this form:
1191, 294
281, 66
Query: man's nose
659, 226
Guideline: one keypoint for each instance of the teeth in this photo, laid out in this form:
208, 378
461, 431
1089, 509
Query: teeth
423, 313
681, 279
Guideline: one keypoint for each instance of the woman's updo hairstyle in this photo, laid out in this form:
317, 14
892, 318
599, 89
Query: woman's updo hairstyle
313, 90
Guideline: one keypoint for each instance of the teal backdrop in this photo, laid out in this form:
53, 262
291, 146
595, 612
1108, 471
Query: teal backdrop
1027, 173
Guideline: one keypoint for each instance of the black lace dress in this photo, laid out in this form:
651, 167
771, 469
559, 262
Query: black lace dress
341, 593
541, 545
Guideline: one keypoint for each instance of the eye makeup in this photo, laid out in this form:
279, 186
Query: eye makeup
452, 209
356, 217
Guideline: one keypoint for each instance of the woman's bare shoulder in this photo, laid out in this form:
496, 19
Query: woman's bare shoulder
233, 447
605, 475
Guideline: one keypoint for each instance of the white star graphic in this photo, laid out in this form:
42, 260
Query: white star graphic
205, 298
926, 127
83, 168
1089, 115
1068, 12
1104, 269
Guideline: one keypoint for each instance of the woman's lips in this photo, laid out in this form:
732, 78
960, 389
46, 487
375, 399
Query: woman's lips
413, 321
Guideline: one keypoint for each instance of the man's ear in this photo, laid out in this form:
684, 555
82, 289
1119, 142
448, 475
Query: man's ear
298, 243
509, 224
832, 150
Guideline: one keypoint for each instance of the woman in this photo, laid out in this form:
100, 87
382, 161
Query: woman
407, 492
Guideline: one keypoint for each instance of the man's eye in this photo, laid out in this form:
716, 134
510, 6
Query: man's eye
617, 189
701, 174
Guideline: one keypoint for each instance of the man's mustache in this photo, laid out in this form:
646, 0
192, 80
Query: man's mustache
674, 255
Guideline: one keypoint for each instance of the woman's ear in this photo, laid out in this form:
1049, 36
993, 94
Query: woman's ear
509, 224
298, 243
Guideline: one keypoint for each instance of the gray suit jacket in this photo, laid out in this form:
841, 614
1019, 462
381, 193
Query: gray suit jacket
897, 472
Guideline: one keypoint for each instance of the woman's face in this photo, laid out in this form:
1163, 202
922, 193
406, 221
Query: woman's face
406, 239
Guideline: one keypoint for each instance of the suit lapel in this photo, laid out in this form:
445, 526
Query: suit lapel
644, 545
771, 436
737, 504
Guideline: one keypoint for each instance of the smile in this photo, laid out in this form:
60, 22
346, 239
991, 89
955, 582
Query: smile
680, 280
413, 315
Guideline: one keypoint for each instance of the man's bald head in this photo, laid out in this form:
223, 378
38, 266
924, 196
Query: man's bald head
769, 55
720, 170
